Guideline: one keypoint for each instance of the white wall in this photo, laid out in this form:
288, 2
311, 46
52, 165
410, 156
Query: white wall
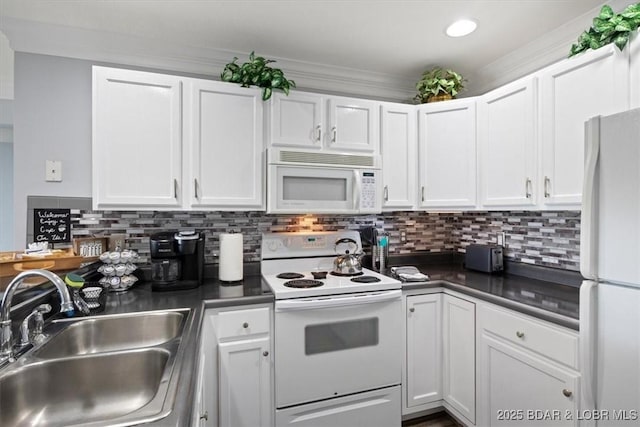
52, 121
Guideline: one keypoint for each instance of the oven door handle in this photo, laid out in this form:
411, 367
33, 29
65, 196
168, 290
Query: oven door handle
338, 301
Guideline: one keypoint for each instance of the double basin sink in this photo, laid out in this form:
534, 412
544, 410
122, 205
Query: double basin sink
114, 370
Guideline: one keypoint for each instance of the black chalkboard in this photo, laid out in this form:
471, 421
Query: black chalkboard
52, 225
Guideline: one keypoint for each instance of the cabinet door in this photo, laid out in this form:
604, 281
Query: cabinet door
353, 125
245, 383
459, 355
507, 141
634, 58
519, 388
296, 120
225, 139
424, 338
447, 145
595, 83
137, 139
398, 146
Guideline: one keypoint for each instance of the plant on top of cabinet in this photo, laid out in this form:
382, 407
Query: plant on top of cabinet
609, 27
438, 84
257, 72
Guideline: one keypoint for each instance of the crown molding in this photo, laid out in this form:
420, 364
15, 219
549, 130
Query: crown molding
552, 47
58, 40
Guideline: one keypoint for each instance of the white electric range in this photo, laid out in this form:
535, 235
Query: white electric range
291, 259
336, 341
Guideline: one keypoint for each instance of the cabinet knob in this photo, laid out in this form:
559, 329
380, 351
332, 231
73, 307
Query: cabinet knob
567, 393
245, 325
205, 416
412, 309
265, 353
520, 334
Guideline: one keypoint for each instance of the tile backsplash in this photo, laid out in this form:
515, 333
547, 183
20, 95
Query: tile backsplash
549, 239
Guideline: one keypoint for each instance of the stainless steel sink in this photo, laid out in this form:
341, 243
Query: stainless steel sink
112, 333
80, 391
114, 370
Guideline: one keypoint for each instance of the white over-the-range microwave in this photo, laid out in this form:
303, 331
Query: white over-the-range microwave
306, 181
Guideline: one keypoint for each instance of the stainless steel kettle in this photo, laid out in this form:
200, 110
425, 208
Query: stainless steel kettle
348, 264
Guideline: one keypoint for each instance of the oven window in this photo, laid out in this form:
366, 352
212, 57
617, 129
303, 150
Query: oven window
313, 188
337, 336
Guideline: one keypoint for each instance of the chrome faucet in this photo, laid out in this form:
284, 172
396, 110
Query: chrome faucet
6, 339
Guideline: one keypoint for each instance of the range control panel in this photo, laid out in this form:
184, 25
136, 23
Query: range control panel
305, 243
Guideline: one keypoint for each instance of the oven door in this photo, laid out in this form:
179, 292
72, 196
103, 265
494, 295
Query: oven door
295, 189
338, 345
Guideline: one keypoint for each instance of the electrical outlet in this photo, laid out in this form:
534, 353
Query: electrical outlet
501, 238
53, 171
403, 237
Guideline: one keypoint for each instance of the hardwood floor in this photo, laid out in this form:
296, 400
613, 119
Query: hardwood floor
441, 419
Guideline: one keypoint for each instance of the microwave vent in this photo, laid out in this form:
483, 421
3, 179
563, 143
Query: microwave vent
326, 158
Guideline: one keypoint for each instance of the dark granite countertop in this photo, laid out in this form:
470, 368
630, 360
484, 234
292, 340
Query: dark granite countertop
545, 299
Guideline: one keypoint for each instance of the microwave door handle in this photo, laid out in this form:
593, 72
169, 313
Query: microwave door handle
330, 302
356, 190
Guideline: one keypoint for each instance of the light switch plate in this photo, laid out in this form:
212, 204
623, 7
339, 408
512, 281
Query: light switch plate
53, 171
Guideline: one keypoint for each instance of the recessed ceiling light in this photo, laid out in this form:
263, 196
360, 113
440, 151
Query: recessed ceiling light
461, 27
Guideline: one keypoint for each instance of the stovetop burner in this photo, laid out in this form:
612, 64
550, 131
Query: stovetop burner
365, 279
335, 273
290, 275
303, 283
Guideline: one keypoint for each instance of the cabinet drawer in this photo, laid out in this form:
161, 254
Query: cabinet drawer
547, 339
240, 323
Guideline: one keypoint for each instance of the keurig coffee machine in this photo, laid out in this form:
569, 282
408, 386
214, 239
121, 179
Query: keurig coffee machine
177, 260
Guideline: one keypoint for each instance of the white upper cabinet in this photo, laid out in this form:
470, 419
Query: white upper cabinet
224, 127
137, 139
297, 120
634, 58
314, 121
572, 91
398, 145
353, 124
447, 150
169, 142
507, 144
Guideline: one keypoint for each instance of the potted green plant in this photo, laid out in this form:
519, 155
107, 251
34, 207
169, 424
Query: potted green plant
257, 72
609, 27
438, 84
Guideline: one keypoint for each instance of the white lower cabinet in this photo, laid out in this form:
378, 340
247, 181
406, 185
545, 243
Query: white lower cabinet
527, 371
459, 356
238, 370
422, 381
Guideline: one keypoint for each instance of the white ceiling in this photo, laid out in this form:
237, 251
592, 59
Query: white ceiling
397, 39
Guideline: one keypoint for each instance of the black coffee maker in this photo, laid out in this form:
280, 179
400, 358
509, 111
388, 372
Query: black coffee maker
177, 260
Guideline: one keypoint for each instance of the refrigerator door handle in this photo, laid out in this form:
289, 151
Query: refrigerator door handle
589, 215
588, 344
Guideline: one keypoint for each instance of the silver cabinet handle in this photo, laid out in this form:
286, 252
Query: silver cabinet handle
422, 193
205, 416
520, 334
386, 193
527, 185
175, 188
245, 325
547, 182
195, 187
265, 353
334, 134
412, 309
319, 133
567, 393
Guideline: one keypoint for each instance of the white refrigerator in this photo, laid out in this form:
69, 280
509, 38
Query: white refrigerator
610, 266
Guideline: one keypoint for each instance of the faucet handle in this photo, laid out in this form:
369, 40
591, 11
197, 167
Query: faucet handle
37, 315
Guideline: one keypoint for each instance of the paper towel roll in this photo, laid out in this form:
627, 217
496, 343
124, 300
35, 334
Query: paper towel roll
230, 267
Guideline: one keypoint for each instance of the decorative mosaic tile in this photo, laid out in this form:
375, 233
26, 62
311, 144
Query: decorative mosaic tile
544, 238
